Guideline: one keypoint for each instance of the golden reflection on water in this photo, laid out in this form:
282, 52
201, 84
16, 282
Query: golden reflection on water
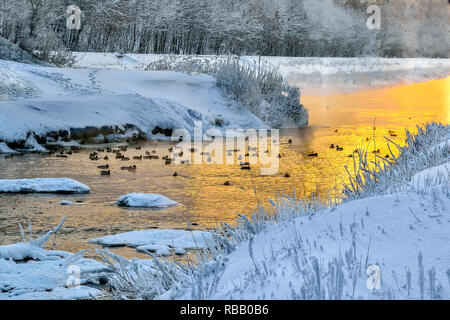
345, 120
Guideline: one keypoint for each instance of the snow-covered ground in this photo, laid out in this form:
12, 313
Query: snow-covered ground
43, 185
311, 75
385, 233
27, 271
160, 237
44, 99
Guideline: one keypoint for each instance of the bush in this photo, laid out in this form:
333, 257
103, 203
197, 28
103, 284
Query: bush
264, 92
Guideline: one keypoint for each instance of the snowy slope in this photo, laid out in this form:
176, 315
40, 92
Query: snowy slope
42, 99
384, 231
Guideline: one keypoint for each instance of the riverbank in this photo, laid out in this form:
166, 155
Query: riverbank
387, 246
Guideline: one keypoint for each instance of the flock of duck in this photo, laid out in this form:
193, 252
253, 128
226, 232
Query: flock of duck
119, 154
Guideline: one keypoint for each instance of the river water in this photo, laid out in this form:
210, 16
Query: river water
346, 120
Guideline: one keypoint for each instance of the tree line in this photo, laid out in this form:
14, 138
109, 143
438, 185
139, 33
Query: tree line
250, 27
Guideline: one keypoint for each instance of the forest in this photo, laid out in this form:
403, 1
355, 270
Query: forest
335, 28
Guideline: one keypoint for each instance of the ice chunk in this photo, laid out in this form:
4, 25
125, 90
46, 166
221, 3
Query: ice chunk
43, 185
147, 200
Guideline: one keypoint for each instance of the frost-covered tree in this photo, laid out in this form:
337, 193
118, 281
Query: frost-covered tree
254, 27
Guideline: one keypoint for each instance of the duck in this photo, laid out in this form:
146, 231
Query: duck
387, 156
376, 151
108, 149
227, 183
244, 164
313, 154
168, 161
279, 156
290, 141
245, 168
175, 174
105, 173
192, 150
138, 148
287, 175
125, 158
132, 168
64, 156
339, 148
100, 150
137, 157
147, 153
106, 158
332, 146
106, 166
123, 148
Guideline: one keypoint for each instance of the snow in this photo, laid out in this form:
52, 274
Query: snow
43, 99
66, 144
384, 229
5, 149
431, 176
33, 145
152, 248
46, 279
145, 200
27, 271
160, 237
66, 203
314, 75
180, 251
43, 185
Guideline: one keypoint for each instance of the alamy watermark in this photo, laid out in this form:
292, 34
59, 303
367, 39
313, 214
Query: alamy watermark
73, 22
374, 20
74, 278
238, 146
374, 279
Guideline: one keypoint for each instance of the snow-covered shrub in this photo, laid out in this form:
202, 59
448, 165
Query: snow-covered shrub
423, 150
263, 91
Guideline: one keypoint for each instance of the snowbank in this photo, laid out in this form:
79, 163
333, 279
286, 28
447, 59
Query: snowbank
43, 99
158, 237
335, 248
5, 149
431, 176
51, 279
145, 200
43, 185
27, 271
